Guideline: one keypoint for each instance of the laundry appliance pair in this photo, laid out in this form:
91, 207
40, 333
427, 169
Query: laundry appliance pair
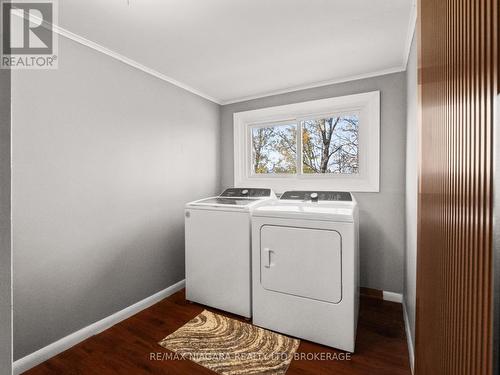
290, 264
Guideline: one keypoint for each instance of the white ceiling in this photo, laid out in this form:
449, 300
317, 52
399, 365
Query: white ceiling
229, 50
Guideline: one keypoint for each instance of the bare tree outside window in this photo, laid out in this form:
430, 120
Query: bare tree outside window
274, 149
330, 145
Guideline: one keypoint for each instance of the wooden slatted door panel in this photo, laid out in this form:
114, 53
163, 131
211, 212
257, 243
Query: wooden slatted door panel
458, 67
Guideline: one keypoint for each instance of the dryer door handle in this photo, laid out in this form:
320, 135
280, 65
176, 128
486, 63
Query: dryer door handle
267, 254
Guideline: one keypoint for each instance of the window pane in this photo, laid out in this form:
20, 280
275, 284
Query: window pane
274, 149
330, 145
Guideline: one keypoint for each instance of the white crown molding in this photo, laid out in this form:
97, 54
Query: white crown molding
97, 47
51, 350
395, 69
115, 55
410, 33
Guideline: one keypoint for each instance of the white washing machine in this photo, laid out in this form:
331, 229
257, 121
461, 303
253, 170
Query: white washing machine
305, 267
218, 249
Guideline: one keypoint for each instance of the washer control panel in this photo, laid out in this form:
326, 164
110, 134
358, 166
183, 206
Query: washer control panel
246, 192
316, 196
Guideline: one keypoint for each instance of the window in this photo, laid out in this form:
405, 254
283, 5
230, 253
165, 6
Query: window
323, 144
328, 145
274, 148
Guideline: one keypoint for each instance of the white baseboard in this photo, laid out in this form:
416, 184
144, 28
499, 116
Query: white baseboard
51, 350
393, 297
411, 352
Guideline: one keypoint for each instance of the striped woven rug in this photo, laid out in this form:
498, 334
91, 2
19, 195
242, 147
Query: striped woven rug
230, 347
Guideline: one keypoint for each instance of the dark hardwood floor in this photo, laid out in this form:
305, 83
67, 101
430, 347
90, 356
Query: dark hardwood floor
126, 347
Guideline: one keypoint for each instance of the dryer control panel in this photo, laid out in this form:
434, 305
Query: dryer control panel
246, 192
316, 196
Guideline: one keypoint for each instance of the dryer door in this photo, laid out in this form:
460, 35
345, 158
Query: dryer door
302, 262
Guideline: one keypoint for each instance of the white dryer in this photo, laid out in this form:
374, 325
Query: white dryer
305, 266
218, 249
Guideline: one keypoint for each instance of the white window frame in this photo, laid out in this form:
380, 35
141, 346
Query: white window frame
366, 105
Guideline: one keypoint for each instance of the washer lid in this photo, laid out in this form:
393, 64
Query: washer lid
235, 199
340, 211
225, 202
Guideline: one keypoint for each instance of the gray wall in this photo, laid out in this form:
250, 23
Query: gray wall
411, 189
5, 228
104, 159
382, 230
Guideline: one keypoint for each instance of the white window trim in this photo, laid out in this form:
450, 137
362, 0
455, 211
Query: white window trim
368, 180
